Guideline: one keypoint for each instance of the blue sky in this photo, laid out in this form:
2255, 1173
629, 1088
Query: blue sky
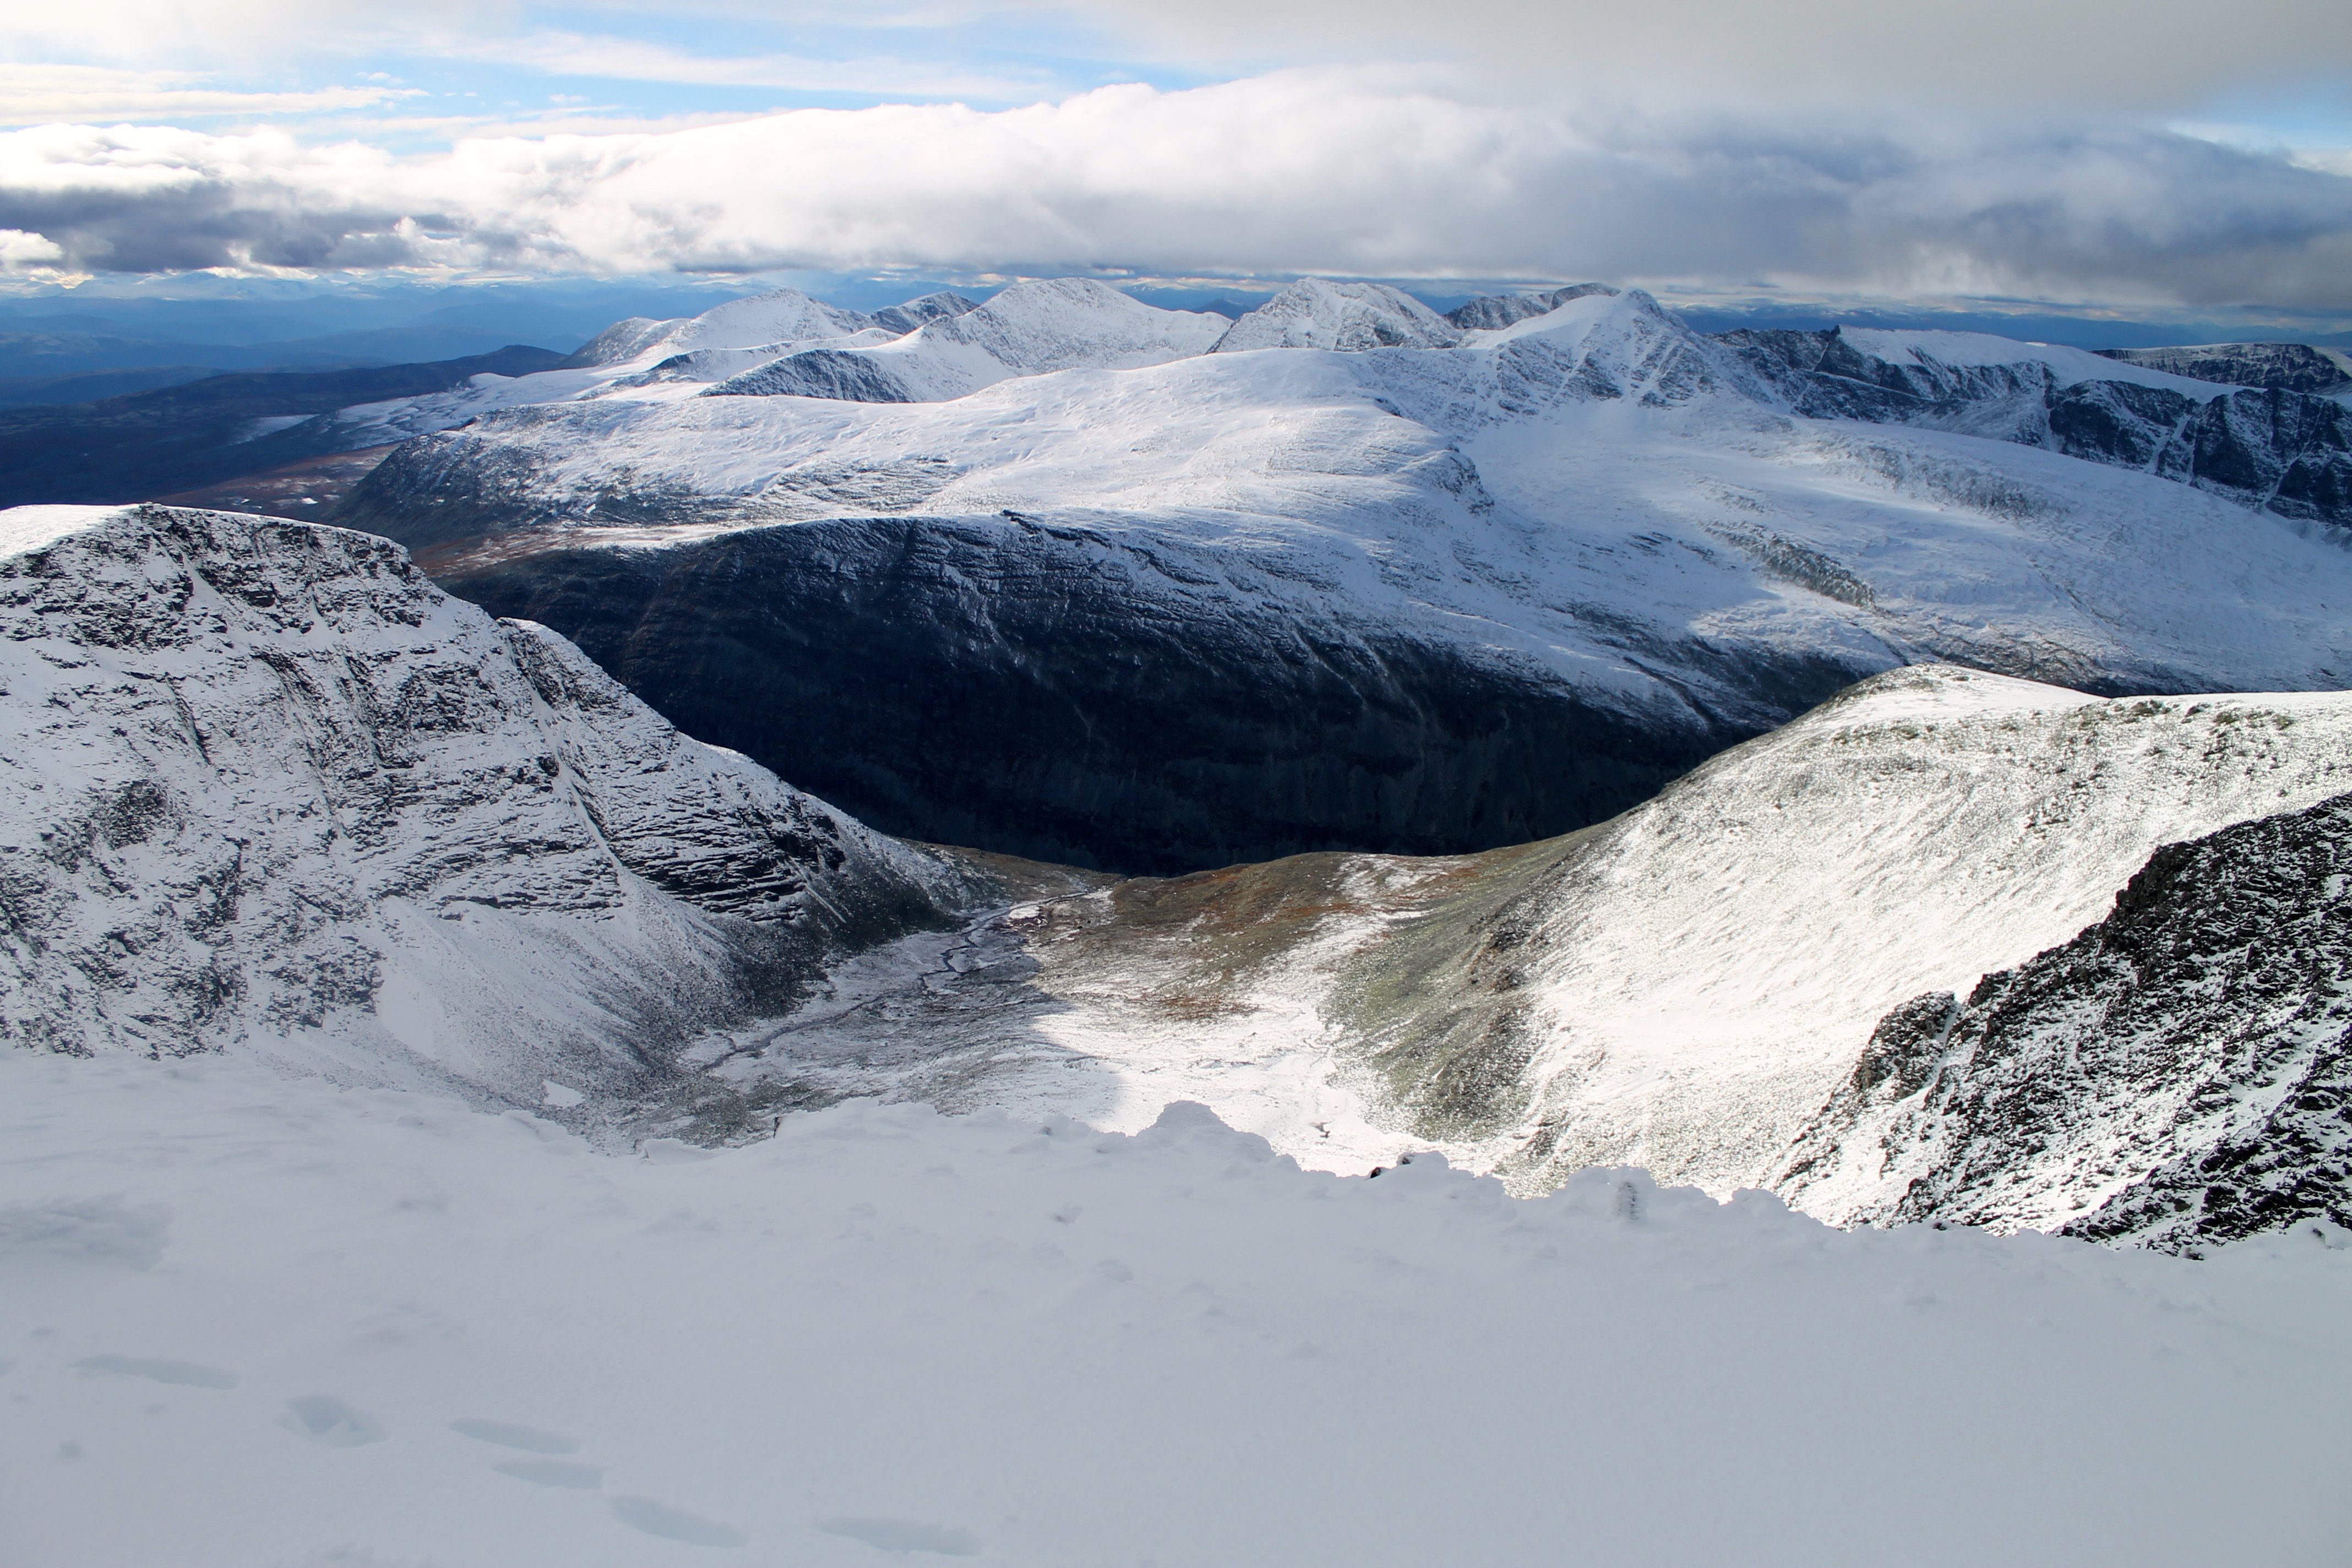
2149, 157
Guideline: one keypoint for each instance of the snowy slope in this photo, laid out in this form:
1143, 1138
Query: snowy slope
1030, 329
635, 358
1313, 313
1686, 986
266, 786
251, 1323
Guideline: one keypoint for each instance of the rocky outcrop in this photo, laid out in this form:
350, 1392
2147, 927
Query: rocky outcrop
1496, 311
2288, 367
267, 787
2178, 1075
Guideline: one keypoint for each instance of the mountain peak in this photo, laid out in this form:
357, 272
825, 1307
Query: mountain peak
1317, 313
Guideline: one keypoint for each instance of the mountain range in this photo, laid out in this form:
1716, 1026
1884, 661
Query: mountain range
1541, 733
1168, 607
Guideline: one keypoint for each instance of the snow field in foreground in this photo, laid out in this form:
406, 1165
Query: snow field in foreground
250, 1321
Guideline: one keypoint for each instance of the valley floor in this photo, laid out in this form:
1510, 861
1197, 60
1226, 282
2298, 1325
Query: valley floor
250, 1322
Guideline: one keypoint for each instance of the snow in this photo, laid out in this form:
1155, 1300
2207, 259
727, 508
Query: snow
248, 1320
1706, 968
1964, 350
1313, 313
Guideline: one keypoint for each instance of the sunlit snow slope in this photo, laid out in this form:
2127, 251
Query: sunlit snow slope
1685, 986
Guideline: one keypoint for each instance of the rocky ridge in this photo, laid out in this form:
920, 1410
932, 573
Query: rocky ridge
265, 785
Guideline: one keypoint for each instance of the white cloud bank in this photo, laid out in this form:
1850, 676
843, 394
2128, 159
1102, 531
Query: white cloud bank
1364, 171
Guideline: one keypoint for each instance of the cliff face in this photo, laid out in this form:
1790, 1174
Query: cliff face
1079, 698
265, 785
2177, 1075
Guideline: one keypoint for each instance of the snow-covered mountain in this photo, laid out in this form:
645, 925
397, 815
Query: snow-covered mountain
1315, 314
264, 786
2269, 447
1499, 310
638, 358
2294, 367
1408, 599
1030, 329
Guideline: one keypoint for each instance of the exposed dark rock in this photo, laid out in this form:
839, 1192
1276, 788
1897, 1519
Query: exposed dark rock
818, 373
2178, 1075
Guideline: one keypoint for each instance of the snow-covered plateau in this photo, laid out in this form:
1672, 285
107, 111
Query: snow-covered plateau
1239, 604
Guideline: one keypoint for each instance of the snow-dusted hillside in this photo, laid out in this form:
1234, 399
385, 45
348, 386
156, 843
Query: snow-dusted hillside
246, 1321
264, 785
1591, 525
1684, 988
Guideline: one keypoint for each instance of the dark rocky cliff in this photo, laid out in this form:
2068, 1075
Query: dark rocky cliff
2178, 1075
1079, 698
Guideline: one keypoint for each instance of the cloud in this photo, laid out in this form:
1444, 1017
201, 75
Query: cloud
1368, 172
2152, 55
18, 249
52, 94
630, 59
1855, 54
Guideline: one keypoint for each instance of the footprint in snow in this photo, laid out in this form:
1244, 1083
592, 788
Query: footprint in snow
553, 1473
323, 1418
906, 1535
509, 1435
186, 1374
675, 1524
